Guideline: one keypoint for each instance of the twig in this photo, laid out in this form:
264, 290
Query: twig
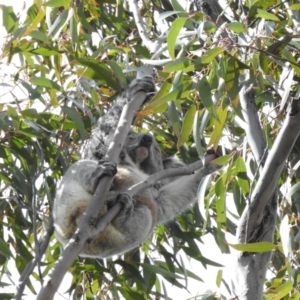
152, 46
42, 247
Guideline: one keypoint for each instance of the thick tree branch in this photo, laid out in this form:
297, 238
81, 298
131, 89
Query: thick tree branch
252, 125
268, 181
89, 218
258, 220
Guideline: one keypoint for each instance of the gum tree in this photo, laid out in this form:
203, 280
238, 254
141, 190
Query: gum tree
226, 75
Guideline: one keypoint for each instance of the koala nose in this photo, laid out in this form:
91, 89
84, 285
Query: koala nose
147, 139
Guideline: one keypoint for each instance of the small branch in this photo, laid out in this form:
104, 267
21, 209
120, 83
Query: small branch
42, 247
151, 180
152, 46
293, 15
185, 170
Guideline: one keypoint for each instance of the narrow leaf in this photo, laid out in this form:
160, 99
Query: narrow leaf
209, 55
58, 3
40, 16
255, 247
9, 18
236, 27
173, 33
187, 123
220, 201
219, 125
266, 15
205, 96
75, 117
45, 82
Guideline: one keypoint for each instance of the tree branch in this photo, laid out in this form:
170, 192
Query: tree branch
90, 216
258, 220
151, 180
267, 183
252, 125
152, 46
42, 247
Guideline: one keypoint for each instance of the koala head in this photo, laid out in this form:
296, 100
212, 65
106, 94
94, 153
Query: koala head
142, 151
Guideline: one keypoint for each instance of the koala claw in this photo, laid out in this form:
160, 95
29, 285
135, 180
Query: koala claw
107, 167
128, 203
141, 84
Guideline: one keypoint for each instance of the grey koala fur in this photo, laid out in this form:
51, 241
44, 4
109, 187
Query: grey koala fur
140, 157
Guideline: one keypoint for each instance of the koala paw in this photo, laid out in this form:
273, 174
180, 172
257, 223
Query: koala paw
128, 203
103, 168
145, 84
107, 167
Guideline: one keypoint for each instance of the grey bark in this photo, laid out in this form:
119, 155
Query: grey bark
257, 223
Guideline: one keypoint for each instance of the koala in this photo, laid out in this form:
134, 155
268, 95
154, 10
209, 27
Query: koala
140, 157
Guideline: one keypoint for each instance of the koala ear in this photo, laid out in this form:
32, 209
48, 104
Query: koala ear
172, 162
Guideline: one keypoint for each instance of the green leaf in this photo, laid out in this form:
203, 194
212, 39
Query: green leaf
53, 97
4, 249
181, 64
37, 20
219, 125
220, 201
283, 290
209, 55
219, 278
39, 36
14, 115
197, 134
205, 96
156, 102
98, 71
222, 160
203, 207
264, 62
266, 15
9, 18
232, 80
255, 247
173, 34
58, 3
74, 32
174, 118
45, 82
295, 6
236, 27
45, 51
76, 118
187, 123
158, 270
